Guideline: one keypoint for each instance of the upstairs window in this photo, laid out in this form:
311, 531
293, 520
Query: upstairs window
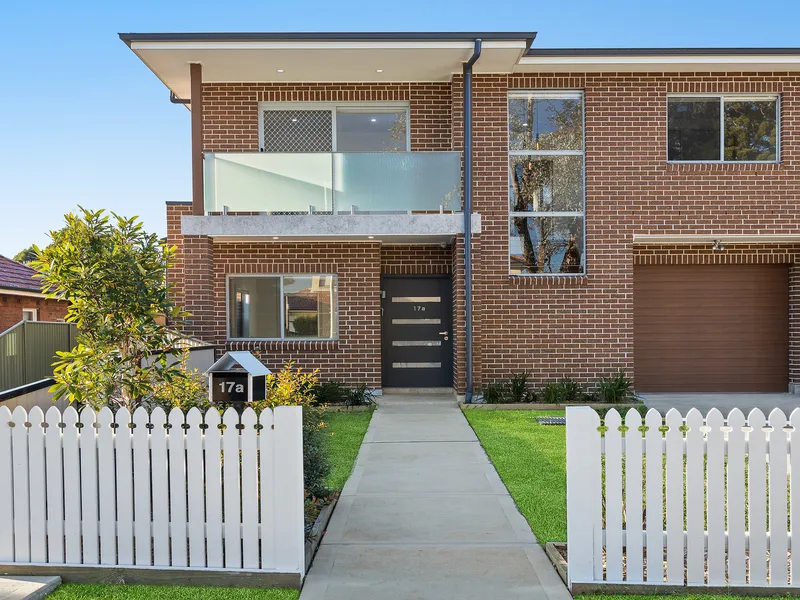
722, 128
314, 127
546, 183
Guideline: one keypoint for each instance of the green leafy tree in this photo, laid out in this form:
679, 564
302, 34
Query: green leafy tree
26, 256
112, 273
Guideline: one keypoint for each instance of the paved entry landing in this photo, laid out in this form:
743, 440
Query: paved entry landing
425, 515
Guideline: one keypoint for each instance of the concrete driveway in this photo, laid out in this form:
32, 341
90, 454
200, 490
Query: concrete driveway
724, 402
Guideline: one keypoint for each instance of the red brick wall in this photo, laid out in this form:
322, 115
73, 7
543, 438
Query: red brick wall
11, 309
583, 326
230, 110
410, 259
560, 326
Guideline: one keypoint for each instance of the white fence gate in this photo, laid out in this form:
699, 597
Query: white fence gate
153, 490
673, 501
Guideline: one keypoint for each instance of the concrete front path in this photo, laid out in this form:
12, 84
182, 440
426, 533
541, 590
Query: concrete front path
724, 402
425, 516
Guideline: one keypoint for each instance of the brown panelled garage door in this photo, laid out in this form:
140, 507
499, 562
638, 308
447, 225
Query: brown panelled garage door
711, 328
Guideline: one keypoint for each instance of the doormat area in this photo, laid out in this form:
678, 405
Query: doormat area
552, 420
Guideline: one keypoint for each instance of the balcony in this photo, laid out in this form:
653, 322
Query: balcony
354, 183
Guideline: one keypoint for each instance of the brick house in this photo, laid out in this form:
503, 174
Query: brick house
628, 209
21, 297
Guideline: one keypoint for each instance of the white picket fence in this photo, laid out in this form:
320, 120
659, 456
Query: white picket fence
695, 501
154, 490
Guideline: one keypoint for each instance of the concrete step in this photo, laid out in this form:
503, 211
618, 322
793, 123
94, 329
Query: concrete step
27, 588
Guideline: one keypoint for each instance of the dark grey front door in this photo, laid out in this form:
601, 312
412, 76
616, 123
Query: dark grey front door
417, 332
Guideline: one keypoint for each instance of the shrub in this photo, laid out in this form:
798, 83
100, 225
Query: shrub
360, 396
305, 326
337, 393
112, 274
513, 390
494, 393
518, 389
616, 389
561, 392
185, 391
331, 392
292, 387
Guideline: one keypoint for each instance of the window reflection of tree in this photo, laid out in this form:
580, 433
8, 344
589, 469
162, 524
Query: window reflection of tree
555, 124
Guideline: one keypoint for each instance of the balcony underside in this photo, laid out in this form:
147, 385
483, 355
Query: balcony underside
435, 228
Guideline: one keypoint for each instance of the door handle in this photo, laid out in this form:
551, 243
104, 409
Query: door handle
444, 333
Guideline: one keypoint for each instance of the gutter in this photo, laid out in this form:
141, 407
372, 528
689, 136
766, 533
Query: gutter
476, 54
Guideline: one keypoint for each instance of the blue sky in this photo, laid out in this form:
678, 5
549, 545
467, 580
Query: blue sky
82, 120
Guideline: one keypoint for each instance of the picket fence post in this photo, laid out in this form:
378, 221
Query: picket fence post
583, 492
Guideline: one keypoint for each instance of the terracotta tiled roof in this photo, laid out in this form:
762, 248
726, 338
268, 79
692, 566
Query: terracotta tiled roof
302, 302
16, 276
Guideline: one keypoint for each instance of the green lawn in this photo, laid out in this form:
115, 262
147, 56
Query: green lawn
75, 591
531, 461
346, 430
674, 597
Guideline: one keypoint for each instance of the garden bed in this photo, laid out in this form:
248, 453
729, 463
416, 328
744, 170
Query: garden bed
542, 406
318, 530
346, 408
557, 553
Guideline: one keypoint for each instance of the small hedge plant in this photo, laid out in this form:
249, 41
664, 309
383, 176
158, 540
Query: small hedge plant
336, 393
513, 390
609, 390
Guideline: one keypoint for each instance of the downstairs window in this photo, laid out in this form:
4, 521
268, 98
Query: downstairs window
283, 307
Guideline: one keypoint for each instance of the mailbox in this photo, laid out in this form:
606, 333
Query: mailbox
236, 378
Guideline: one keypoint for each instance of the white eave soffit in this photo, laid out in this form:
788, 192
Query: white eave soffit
658, 63
315, 61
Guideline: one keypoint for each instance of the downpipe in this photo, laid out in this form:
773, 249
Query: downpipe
476, 54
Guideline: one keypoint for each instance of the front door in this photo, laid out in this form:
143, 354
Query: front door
417, 332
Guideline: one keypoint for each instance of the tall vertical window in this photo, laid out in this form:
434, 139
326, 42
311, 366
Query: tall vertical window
546, 182
282, 307
722, 128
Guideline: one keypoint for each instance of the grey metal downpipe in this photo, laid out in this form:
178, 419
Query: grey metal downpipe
175, 100
476, 54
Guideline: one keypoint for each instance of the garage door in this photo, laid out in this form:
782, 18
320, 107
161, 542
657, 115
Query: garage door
711, 328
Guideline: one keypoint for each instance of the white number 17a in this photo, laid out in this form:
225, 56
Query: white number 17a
232, 386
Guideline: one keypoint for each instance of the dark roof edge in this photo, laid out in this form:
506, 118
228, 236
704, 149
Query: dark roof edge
659, 51
411, 36
4, 289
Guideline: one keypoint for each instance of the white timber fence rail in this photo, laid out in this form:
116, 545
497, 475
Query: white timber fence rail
152, 490
673, 501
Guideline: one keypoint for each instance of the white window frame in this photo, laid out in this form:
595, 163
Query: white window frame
722, 99
335, 107
553, 95
35, 312
280, 277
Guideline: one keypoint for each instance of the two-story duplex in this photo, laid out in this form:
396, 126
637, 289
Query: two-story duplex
444, 209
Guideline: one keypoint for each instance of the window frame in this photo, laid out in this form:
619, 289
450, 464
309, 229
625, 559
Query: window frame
566, 94
333, 107
733, 97
283, 338
34, 311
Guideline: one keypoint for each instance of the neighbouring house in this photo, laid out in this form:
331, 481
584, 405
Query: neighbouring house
629, 209
21, 297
